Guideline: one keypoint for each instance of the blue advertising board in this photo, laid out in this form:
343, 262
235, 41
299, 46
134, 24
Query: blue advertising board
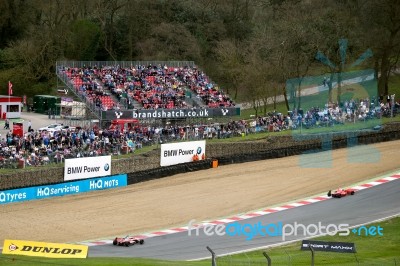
62, 189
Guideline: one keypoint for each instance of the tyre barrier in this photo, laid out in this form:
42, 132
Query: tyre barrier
164, 171
266, 154
338, 141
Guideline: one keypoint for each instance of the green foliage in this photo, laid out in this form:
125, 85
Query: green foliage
84, 41
38, 89
14, 17
230, 39
170, 41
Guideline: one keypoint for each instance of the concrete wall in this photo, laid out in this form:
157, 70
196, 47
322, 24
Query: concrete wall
138, 167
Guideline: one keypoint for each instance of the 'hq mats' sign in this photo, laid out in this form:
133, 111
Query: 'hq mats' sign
87, 167
182, 152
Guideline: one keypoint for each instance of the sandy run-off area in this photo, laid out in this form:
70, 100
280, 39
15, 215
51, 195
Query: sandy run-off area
202, 195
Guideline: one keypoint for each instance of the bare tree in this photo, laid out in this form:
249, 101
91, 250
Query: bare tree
381, 21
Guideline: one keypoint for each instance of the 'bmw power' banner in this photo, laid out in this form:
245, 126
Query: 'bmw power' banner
182, 152
87, 167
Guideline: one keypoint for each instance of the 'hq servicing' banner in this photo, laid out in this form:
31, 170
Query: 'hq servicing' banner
41, 192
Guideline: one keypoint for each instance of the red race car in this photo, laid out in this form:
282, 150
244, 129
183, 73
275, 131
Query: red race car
127, 241
340, 192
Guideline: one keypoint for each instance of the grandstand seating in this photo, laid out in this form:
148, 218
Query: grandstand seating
152, 86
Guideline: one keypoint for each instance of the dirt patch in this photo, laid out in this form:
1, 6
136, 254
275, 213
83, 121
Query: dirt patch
202, 195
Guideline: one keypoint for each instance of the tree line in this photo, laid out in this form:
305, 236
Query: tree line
250, 48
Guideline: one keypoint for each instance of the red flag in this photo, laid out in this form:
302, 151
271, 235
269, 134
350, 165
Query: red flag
10, 92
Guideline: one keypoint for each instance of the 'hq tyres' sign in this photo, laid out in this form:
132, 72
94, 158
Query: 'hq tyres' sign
87, 167
182, 152
44, 249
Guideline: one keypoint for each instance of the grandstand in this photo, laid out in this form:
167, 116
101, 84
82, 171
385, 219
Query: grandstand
140, 85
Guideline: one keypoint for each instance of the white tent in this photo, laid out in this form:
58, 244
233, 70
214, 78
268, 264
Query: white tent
73, 109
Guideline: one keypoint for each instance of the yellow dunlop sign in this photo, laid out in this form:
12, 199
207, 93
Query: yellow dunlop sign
43, 249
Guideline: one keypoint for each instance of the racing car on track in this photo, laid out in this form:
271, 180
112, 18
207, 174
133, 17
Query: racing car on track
340, 192
127, 241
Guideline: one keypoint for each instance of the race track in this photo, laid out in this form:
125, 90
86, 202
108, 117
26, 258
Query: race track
367, 205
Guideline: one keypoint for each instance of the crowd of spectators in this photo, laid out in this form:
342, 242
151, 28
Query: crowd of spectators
38, 148
152, 86
86, 83
352, 110
200, 84
42, 147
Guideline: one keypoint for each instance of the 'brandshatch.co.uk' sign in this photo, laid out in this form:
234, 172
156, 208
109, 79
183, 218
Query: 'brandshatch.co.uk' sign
171, 113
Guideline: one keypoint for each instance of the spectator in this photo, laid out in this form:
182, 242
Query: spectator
6, 124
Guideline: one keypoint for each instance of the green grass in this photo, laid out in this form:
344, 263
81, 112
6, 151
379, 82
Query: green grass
318, 100
361, 90
337, 128
247, 113
36, 261
371, 250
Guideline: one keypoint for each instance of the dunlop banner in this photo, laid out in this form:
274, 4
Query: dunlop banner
43, 249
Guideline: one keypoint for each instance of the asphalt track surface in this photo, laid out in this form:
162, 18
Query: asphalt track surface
365, 206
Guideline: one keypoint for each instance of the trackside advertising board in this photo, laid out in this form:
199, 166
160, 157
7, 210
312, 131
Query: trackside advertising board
62, 189
44, 249
172, 113
341, 247
88, 167
182, 152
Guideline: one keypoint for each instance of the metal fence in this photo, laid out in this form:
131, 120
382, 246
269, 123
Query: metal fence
82, 97
292, 258
122, 64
